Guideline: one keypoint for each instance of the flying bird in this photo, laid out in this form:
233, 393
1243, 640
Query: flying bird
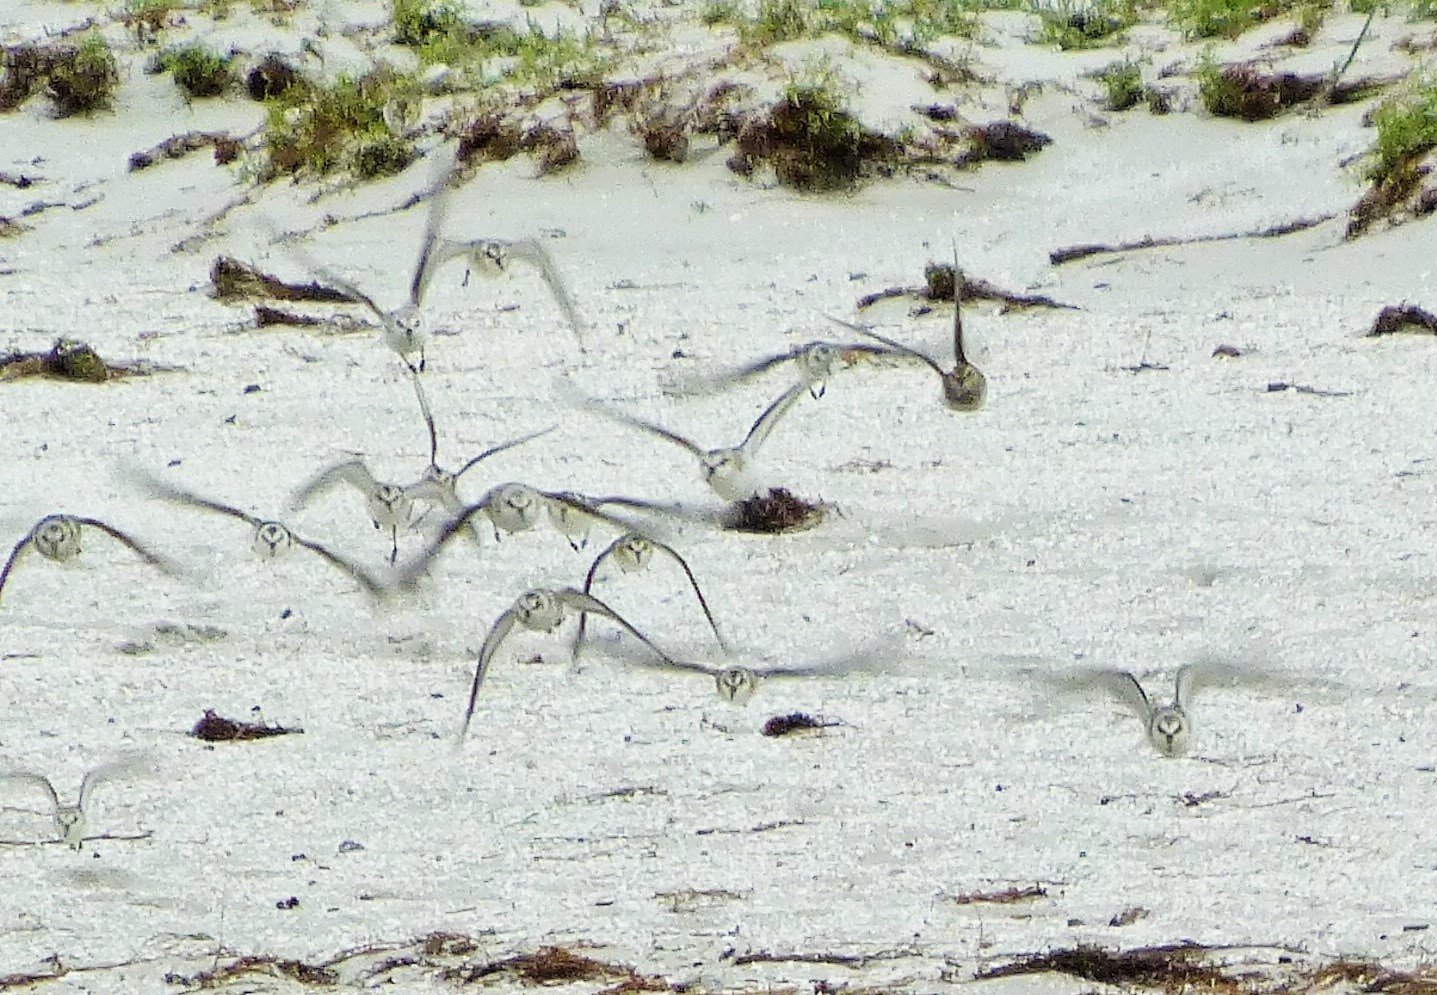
633, 552
57, 537
71, 821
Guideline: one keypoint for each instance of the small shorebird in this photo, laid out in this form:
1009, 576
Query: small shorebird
965, 388
490, 258
71, 821
815, 362
724, 470
1168, 726
57, 537
737, 684
541, 610
271, 539
633, 552
438, 486
390, 506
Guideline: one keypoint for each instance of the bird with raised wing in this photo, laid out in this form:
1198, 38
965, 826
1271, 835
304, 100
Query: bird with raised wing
58, 538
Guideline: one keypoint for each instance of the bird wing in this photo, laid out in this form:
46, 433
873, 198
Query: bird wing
769, 419
340, 284
579, 601
496, 450
428, 414
958, 309
693, 582
410, 574
710, 383
38, 780
20, 548
534, 253
497, 632
1121, 685
871, 656
588, 585
647, 426
143, 552
1209, 673
893, 344
428, 262
178, 495
352, 472
125, 766
366, 580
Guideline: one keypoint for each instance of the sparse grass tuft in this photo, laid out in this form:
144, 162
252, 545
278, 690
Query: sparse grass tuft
1406, 129
197, 70
341, 126
1224, 18
895, 24
1078, 24
83, 77
1122, 85
420, 22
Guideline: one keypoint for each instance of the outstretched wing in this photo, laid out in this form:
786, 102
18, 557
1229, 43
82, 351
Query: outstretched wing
340, 284
581, 602
428, 414
588, 586
20, 549
352, 472
769, 419
893, 344
38, 780
646, 426
126, 766
410, 574
958, 309
1120, 684
366, 580
500, 629
533, 252
872, 656
143, 552
693, 582
178, 495
496, 450
428, 262
1211, 673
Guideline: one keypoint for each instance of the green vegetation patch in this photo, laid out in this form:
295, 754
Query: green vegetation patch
899, 24
199, 71
1224, 18
79, 78
1074, 24
1122, 84
1399, 171
67, 359
320, 129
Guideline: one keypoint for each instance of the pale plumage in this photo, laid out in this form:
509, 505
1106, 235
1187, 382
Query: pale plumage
490, 257
71, 821
726, 471
541, 610
633, 552
1168, 726
58, 538
390, 506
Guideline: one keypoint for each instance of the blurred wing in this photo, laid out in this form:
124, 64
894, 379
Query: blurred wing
589, 508
38, 780
425, 266
366, 580
14, 558
143, 552
958, 309
534, 253
588, 585
178, 495
875, 655
647, 426
1212, 673
340, 284
497, 632
428, 414
500, 448
410, 574
579, 601
125, 766
1119, 684
713, 382
352, 472
766, 421
693, 582
892, 344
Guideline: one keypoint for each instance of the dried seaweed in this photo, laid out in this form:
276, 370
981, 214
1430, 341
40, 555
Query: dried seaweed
784, 725
213, 728
70, 360
777, 511
234, 280
1403, 318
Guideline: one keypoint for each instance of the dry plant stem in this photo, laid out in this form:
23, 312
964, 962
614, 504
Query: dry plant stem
1066, 255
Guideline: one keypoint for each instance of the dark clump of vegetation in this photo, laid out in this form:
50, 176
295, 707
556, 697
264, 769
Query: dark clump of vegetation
1166, 968
197, 70
78, 78
213, 728
556, 965
223, 974
1007, 896
342, 125
812, 142
489, 137
784, 725
421, 22
1246, 92
1402, 160
777, 511
179, 146
1403, 318
1226, 18
1086, 25
82, 77
272, 79
1005, 141
1122, 85
234, 280
557, 147
67, 359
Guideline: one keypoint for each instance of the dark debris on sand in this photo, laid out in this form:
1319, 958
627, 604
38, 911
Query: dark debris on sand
213, 728
777, 511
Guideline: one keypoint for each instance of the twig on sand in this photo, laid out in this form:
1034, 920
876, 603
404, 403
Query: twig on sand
1069, 253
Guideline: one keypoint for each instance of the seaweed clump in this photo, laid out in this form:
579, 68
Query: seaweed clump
780, 510
68, 359
213, 728
812, 142
785, 725
556, 965
1403, 318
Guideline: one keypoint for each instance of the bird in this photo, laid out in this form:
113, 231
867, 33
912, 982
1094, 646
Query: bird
541, 610
1168, 726
440, 486
965, 388
515, 507
490, 257
271, 539
814, 361
390, 506
724, 470
71, 821
737, 684
57, 537
633, 551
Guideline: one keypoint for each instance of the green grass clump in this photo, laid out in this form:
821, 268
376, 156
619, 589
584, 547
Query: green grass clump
82, 78
1224, 18
1122, 85
896, 24
340, 126
1076, 25
1406, 129
197, 70
420, 22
